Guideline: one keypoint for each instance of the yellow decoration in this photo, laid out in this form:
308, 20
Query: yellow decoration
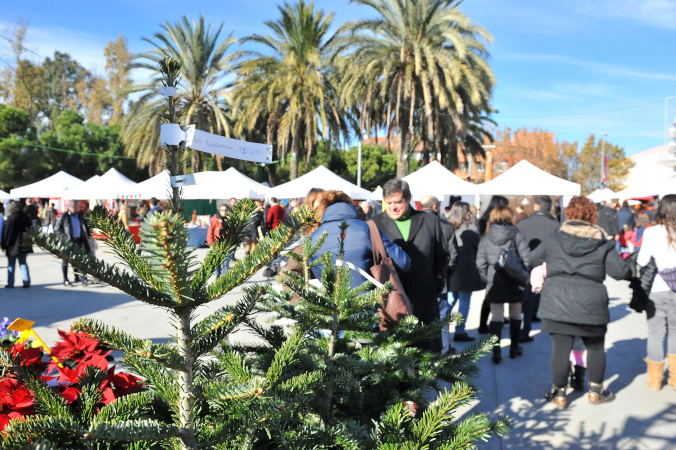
25, 327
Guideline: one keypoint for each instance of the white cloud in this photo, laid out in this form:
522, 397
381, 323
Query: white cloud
653, 13
605, 68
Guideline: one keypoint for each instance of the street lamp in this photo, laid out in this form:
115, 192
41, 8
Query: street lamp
603, 160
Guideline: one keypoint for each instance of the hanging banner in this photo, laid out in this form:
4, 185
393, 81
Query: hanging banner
173, 134
605, 170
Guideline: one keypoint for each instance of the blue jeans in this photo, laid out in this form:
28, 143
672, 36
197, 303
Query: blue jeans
444, 310
224, 267
11, 264
463, 308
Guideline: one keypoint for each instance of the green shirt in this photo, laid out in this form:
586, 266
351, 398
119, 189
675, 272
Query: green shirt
404, 224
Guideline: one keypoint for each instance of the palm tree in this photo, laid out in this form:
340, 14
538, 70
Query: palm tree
202, 91
426, 59
287, 85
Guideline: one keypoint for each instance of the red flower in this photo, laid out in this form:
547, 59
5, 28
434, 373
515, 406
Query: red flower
68, 375
29, 355
5, 418
79, 347
69, 394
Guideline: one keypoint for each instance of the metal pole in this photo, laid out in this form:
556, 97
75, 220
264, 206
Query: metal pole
359, 165
603, 160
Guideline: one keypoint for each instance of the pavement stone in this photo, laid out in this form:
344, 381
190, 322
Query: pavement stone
639, 418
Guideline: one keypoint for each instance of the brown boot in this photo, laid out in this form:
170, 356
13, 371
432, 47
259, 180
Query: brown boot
656, 373
672, 371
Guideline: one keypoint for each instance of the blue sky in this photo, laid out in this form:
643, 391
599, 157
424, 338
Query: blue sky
574, 67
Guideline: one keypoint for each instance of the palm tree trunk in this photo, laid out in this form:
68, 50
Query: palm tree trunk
402, 154
295, 147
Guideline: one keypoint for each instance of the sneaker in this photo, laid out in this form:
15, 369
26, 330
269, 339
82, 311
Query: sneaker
26, 286
67, 283
9, 287
462, 337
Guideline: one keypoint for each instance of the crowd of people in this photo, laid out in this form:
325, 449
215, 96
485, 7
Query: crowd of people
549, 266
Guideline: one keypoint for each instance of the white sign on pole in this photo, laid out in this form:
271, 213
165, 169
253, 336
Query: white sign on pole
173, 134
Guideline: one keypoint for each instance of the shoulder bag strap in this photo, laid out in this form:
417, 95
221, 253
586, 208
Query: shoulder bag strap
377, 246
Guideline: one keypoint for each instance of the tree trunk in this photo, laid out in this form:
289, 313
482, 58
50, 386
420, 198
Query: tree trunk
402, 154
185, 376
295, 147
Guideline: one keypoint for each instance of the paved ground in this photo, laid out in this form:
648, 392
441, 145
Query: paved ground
638, 419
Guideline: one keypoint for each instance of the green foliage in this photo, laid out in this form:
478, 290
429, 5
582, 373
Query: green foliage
16, 163
377, 165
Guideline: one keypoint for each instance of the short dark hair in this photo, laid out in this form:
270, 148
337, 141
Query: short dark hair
545, 202
395, 185
625, 204
274, 200
153, 201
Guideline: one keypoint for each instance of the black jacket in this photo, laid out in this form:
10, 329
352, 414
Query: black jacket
15, 225
449, 235
465, 277
578, 257
537, 227
606, 218
625, 215
50, 217
64, 228
428, 249
498, 289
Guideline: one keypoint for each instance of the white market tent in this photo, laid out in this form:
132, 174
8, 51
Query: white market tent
602, 195
157, 186
107, 186
525, 179
49, 187
668, 188
377, 195
4, 195
435, 179
639, 190
323, 178
227, 184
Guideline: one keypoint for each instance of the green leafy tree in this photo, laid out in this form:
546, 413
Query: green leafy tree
584, 164
377, 165
17, 163
203, 89
293, 79
118, 59
61, 77
426, 61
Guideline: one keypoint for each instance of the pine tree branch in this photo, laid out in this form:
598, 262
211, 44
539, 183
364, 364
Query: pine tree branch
125, 408
214, 328
227, 390
57, 429
121, 242
231, 235
90, 392
164, 354
163, 381
77, 257
284, 356
132, 430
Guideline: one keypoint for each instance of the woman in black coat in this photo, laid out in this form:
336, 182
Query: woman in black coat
465, 278
500, 234
16, 224
574, 301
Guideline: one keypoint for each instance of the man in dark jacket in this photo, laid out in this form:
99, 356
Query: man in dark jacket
430, 205
32, 211
626, 215
72, 226
12, 243
536, 228
421, 237
50, 218
606, 218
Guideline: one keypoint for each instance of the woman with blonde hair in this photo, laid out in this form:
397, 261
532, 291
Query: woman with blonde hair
502, 234
574, 300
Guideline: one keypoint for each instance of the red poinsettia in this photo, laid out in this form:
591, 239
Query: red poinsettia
118, 385
77, 347
15, 401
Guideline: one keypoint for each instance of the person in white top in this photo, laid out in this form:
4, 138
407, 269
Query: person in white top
659, 242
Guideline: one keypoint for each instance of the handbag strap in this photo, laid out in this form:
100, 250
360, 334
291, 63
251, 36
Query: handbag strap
377, 246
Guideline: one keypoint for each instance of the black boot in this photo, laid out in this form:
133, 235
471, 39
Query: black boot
483, 317
577, 378
557, 396
515, 335
496, 330
597, 395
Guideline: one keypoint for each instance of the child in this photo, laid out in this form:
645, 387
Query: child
626, 235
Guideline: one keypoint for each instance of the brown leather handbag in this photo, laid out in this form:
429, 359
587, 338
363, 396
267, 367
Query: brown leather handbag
396, 304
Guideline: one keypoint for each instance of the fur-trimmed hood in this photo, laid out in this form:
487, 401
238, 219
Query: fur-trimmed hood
580, 238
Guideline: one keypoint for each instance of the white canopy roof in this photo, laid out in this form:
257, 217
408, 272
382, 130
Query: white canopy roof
4, 195
226, 184
526, 179
109, 185
377, 195
157, 186
49, 187
435, 179
321, 177
668, 188
602, 195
